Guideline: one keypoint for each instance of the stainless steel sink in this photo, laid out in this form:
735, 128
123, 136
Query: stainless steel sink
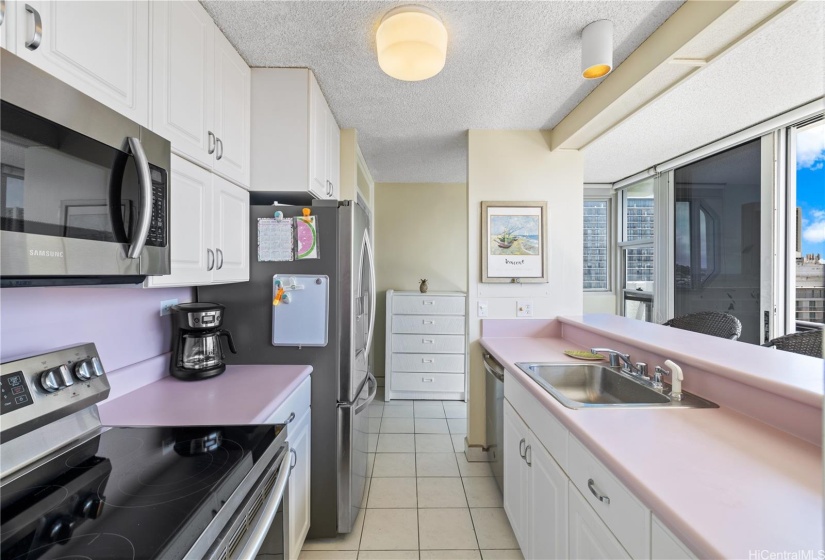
597, 385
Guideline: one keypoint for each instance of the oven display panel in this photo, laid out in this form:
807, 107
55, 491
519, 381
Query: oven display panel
15, 392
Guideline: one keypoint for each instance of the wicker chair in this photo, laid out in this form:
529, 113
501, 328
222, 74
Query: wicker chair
723, 325
808, 343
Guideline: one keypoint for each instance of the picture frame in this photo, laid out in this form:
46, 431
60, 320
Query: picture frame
514, 242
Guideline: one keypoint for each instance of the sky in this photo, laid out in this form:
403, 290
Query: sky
810, 187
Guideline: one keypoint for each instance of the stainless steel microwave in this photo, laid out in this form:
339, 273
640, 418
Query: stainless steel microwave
84, 191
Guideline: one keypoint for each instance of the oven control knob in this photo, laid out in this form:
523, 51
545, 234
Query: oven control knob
91, 507
60, 529
97, 367
83, 370
49, 381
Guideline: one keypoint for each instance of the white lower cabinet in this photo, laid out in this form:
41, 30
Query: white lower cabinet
665, 546
296, 413
590, 539
535, 491
209, 234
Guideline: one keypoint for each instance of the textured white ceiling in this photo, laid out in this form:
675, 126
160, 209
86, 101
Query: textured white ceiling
779, 67
510, 65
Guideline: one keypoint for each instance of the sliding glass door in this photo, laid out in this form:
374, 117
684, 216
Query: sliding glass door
718, 242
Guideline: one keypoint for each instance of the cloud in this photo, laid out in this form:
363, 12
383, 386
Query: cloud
814, 230
810, 148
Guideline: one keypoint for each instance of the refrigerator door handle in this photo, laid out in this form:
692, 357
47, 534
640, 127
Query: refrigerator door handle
350, 404
371, 330
374, 391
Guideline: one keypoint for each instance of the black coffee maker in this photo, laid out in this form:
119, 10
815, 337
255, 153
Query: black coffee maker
196, 343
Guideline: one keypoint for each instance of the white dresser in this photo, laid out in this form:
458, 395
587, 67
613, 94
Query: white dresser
426, 346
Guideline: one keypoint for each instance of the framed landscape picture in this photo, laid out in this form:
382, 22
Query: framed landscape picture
514, 244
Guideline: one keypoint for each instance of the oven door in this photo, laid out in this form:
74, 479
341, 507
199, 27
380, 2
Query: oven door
83, 190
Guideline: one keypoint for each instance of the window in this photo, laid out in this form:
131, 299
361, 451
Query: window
596, 245
636, 249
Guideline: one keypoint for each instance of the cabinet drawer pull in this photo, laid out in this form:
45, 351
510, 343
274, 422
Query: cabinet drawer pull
423, 361
37, 34
427, 379
528, 455
427, 340
428, 322
290, 419
601, 497
521, 450
428, 302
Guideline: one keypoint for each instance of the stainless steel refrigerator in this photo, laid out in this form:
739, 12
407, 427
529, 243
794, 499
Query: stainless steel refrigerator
342, 384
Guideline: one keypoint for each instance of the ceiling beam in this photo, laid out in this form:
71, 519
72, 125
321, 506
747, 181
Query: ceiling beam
698, 32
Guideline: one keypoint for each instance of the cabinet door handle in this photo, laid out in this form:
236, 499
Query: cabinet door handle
219, 146
528, 459
210, 148
521, 450
210, 263
220, 258
37, 35
601, 497
293, 459
290, 419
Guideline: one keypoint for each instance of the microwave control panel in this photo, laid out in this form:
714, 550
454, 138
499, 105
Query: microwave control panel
159, 228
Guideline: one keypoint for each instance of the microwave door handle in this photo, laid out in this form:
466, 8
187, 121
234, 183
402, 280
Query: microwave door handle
228, 336
270, 510
145, 180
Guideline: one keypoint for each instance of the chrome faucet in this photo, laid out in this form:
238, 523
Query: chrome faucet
618, 359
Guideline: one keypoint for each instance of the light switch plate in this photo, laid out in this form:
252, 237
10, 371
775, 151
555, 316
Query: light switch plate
165, 306
524, 308
483, 309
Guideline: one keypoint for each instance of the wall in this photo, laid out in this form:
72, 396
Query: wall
420, 232
124, 323
518, 165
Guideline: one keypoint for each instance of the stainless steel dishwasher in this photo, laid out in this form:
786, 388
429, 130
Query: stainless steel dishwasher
495, 416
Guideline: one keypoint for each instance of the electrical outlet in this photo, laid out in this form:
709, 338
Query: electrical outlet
165, 306
483, 309
524, 308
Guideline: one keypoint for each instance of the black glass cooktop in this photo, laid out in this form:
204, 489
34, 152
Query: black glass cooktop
129, 493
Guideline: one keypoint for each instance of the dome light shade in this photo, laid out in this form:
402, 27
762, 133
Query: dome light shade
597, 49
411, 43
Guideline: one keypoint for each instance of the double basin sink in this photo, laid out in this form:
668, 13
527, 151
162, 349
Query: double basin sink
595, 385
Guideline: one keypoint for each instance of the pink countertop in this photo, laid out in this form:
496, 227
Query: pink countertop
724, 483
241, 395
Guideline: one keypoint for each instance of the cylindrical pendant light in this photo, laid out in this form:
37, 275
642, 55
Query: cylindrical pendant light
411, 43
597, 49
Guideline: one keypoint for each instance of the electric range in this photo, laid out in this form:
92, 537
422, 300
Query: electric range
71, 488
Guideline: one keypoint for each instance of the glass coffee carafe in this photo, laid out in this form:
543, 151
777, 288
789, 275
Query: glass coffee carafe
201, 350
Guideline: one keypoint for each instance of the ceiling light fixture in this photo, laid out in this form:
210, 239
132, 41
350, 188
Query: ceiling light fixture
411, 43
597, 49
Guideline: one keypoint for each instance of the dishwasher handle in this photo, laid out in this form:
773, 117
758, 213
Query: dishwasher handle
493, 367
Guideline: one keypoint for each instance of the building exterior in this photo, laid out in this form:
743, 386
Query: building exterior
810, 289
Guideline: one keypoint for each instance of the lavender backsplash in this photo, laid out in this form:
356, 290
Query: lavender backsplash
124, 323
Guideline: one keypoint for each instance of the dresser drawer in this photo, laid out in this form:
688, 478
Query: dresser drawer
428, 324
626, 517
428, 382
428, 305
432, 363
427, 343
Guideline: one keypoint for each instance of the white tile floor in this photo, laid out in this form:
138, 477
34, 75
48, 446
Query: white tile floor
424, 500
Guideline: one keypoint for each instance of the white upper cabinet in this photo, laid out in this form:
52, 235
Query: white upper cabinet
183, 82
209, 219
295, 139
230, 232
201, 89
8, 24
232, 91
100, 48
